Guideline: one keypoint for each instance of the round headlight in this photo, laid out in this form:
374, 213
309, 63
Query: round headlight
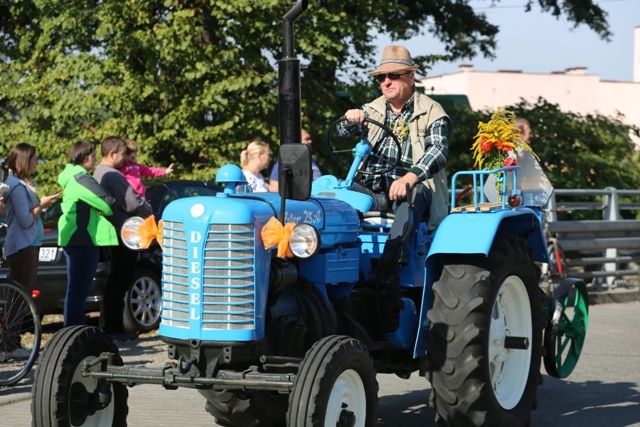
304, 241
129, 233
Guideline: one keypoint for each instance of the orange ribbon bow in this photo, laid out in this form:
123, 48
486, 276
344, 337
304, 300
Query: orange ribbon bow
274, 233
148, 231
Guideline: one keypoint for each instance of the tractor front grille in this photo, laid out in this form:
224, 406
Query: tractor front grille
222, 294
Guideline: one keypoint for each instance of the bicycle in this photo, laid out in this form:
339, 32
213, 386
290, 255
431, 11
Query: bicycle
20, 333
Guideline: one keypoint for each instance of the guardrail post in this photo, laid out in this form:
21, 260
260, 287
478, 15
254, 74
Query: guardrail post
551, 214
611, 213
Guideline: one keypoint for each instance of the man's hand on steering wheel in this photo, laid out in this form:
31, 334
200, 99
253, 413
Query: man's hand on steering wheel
398, 189
354, 116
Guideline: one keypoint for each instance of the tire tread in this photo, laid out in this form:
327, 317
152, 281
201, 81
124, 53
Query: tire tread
457, 345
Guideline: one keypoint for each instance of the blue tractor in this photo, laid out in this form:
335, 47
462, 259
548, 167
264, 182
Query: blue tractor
267, 310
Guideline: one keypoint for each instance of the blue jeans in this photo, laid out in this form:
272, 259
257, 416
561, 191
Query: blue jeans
82, 263
393, 249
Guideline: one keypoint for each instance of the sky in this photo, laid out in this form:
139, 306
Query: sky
537, 42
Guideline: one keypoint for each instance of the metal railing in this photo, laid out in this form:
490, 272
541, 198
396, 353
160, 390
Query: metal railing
604, 250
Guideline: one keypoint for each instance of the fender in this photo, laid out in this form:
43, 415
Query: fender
473, 234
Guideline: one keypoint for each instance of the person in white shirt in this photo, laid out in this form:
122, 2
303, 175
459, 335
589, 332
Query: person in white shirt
253, 160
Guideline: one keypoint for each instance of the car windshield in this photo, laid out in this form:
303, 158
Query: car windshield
50, 216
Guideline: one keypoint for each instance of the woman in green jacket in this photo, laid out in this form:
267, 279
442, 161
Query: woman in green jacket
82, 228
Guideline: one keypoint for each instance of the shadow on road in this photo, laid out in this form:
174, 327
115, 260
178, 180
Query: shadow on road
560, 403
566, 403
407, 409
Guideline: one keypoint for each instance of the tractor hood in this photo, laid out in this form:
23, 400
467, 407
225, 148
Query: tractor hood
336, 221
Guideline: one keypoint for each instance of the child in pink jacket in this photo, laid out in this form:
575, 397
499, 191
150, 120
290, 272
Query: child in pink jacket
134, 172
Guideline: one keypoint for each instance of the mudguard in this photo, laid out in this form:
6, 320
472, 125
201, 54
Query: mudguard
473, 233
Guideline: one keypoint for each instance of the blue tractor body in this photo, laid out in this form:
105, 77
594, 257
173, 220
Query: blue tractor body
217, 273
216, 268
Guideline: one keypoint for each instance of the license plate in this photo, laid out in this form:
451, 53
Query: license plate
48, 254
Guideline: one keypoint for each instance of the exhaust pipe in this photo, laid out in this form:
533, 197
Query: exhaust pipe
289, 80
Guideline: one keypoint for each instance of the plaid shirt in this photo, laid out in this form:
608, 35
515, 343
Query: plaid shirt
433, 160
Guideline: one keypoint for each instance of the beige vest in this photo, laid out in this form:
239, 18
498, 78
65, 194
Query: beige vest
425, 112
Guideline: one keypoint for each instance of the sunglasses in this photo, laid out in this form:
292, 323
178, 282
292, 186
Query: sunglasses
392, 76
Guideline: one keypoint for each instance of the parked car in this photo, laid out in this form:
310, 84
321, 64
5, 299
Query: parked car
144, 297
51, 279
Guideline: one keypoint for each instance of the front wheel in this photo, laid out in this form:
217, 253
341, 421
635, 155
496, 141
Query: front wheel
63, 396
485, 341
336, 386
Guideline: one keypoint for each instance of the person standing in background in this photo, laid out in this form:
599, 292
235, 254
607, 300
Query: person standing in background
253, 160
524, 127
134, 172
305, 138
23, 208
24, 228
82, 227
123, 259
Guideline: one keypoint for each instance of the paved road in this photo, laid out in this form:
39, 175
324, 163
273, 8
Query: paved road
604, 390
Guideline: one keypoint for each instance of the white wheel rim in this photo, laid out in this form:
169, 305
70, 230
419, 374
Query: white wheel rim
509, 368
347, 394
103, 418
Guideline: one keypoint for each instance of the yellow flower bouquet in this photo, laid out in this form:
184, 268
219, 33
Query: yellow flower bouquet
496, 139
498, 143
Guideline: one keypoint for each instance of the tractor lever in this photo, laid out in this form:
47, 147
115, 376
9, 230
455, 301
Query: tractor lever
411, 193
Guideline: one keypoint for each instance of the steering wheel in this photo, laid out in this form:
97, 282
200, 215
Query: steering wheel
361, 132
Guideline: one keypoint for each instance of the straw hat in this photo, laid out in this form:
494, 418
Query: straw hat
394, 58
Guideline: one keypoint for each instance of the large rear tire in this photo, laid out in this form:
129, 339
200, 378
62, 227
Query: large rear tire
336, 386
484, 309
62, 396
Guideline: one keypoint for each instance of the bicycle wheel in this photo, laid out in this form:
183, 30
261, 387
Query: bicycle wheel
19, 333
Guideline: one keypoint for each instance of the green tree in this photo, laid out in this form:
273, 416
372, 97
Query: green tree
576, 151
194, 82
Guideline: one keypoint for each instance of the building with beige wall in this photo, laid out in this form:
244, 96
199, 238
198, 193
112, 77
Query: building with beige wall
574, 89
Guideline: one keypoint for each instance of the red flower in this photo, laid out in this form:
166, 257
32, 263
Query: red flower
486, 145
510, 161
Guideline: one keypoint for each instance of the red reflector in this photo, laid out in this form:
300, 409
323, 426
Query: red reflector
514, 201
35, 293
48, 230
